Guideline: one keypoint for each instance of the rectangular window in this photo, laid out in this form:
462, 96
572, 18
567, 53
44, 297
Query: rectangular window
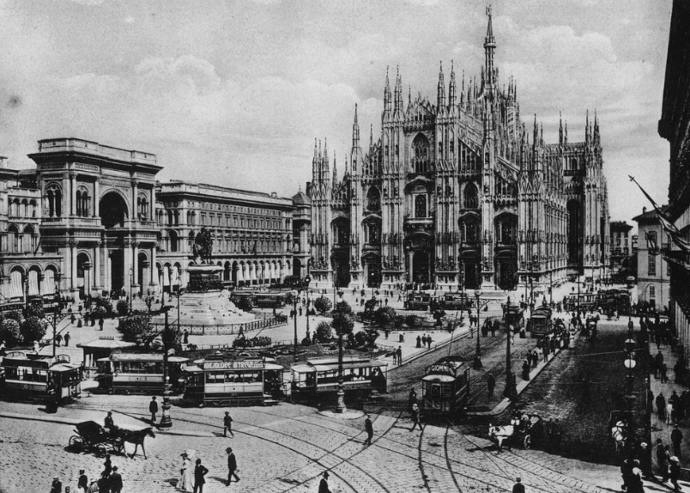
651, 265
652, 292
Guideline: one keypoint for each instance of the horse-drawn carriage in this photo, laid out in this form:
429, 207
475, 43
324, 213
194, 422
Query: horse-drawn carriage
520, 432
91, 437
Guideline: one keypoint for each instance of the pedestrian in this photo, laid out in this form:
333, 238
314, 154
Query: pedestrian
669, 413
58, 339
100, 323
232, 466
661, 406
490, 384
67, 338
153, 409
199, 480
227, 424
186, 481
185, 337
415, 417
429, 340
56, 487
662, 461
115, 481
525, 369
104, 483
664, 373
108, 422
83, 483
411, 399
107, 466
518, 487
419, 342
635, 484
658, 361
369, 428
676, 440
626, 473
674, 465
323, 484
399, 353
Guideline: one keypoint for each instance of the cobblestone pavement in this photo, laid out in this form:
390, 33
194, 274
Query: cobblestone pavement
284, 448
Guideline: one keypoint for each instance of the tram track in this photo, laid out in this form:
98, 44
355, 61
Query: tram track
449, 463
420, 462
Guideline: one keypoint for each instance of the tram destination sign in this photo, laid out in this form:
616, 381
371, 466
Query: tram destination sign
440, 369
234, 365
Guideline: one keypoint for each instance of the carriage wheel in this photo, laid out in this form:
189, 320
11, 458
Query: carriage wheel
119, 446
76, 443
527, 442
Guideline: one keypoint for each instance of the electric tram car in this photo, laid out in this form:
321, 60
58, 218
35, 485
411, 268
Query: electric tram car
125, 373
418, 301
36, 377
222, 381
316, 377
445, 388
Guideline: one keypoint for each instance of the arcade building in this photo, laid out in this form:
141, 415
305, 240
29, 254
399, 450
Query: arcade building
93, 219
459, 192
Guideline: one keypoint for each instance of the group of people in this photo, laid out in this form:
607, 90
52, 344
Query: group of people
673, 409
110, 481
425, 340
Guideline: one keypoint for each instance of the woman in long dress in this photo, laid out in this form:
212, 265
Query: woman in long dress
186, 482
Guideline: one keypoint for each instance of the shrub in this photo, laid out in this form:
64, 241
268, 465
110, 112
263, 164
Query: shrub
259, 341
324, 332
10, 332
322, 304
413, 321
122, 307
343, 320
134, 328
100, 311
33, 329
35, 309
398, 321
361, 338
385, 315
14, 315
438, 316
245, 303
106, 304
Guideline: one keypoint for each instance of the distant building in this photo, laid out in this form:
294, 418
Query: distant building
653, 274
301, 230
621, 250
674, 126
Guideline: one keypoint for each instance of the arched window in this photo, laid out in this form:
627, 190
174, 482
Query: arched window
28, 240
420, 205
469, 230
142, 208
373, 200
471, 197
54, 195
12, 239
172, 239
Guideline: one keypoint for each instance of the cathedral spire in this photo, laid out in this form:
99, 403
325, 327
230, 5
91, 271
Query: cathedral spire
535, 132
335, 172
409, 95
587, 127
387, 94
596, 129
489, 48
355, 130
441, 89
560, 128
541, 133
397, 105
565, 133
371, 138
451, 87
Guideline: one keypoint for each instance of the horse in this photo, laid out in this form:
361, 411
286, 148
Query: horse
500, 434
618, 433
136, 437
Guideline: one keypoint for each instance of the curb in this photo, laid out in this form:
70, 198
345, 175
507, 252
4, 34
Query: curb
438, 346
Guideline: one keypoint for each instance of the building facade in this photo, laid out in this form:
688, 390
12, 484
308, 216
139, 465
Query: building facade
674, 126
621, 248
459, 193
653, 272
92, 218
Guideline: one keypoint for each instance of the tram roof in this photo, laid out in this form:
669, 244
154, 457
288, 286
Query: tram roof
106, 344
332, 364
143, 357
438, 378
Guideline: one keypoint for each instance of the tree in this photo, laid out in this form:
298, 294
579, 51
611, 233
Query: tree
35, 309
438, 316
322, 304
33, 329
245, 303
385, 315
10, 332
343, 320
203, 245
122, 307
324, 332
135, 328
14, 315
413, 320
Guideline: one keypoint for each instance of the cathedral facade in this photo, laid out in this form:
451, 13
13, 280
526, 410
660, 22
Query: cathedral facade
460, 193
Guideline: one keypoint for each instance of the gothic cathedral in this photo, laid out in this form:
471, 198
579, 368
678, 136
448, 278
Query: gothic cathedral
458, 194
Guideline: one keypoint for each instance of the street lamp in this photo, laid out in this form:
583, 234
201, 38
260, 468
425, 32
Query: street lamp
56, 312
630, 365
510, 389
477, 363
168, 335
295, 299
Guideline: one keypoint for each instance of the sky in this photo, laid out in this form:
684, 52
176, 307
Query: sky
234, 92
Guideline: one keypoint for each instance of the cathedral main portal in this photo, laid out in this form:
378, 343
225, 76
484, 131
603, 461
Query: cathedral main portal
421, 267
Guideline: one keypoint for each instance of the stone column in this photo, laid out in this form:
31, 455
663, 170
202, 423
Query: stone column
135, 268
96, 199
97, 282
73, 193
410, 264
135, 192
127, 260
153, 281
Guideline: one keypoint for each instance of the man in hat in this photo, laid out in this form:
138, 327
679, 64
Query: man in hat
676, 439
674, 465
153, 409
83, 483
115, 481
56, 487
323, 484
227, 424
369, 428
199, 480
518, 487
232, 466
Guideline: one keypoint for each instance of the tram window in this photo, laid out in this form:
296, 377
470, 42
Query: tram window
11, 373
215, 377
435, 391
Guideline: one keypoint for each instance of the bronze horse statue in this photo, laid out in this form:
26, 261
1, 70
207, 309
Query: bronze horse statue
136, 437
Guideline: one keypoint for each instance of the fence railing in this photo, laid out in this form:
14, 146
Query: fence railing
229, 329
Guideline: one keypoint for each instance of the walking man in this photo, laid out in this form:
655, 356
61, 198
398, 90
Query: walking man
491, 384
415, 417
676, 439
83, 483
323, 484
518, 487
227, 424
153, 409
369, 428
199, 479
67, 338
232, 466
115, 481
399, 355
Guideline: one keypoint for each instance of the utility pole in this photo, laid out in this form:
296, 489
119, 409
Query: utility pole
510, 390
166, 422
477, 363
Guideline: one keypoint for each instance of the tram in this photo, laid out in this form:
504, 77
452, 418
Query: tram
319, 376
540, 322
445, 388
454, 301
417, 301
36, 377
222, 381
137, 373
270, 300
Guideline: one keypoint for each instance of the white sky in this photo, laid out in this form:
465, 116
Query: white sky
234, 92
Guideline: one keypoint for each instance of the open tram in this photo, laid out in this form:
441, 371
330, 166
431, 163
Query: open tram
137, 373
222, 381
455, 301
418, 301
445, 388
316, 377
540, 322
29, 376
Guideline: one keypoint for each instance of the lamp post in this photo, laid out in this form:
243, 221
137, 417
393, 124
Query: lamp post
166, 421
56, 312
307, 280
551, 286
630, 365
342, 322
477, 363
295, 299
510, 389
131, 281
